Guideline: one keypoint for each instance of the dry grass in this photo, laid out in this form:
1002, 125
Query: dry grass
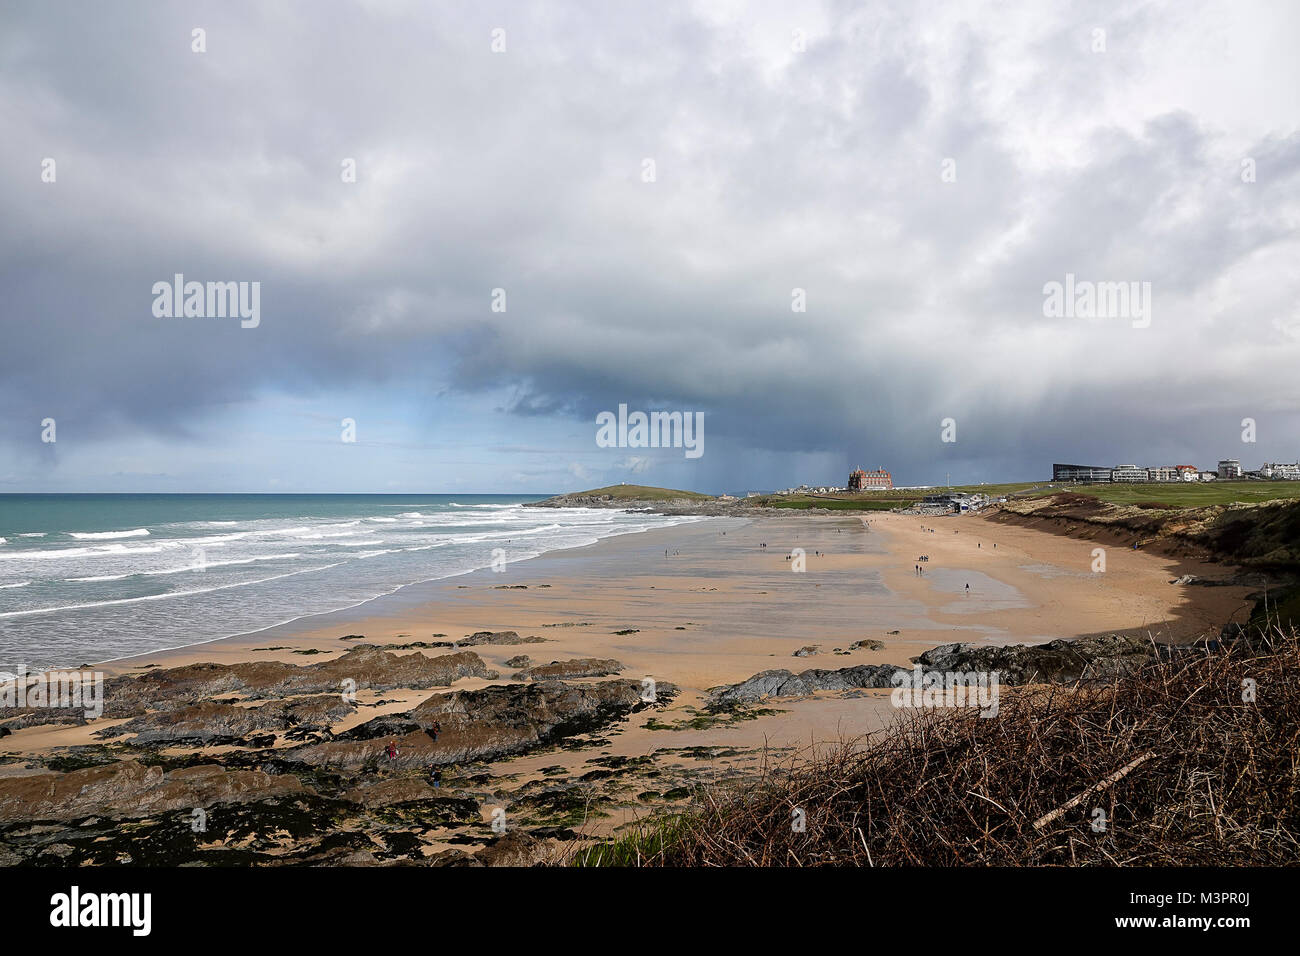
1185, 771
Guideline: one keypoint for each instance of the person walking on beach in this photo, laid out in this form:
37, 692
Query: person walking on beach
435, 776
968, 590
437, 729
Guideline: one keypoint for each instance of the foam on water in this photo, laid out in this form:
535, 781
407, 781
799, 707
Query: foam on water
280, 558
96, 535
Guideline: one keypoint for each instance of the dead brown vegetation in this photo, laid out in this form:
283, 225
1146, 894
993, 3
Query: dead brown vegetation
1177, 761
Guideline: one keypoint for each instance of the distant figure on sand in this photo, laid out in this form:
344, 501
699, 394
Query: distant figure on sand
435, 776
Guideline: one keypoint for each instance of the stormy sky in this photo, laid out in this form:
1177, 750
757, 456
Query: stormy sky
920, 171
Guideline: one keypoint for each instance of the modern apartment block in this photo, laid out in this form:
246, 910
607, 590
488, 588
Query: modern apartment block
1128, 473
1281, 471
1229, 469
1080, 473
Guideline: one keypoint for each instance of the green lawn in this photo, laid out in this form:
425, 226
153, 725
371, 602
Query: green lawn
1178, 494
997, 490
863, 503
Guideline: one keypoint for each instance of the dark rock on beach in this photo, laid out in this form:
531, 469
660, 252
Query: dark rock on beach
291, 788
868, 645
129, 788
565, 670
213, 722
782, 683
362, 668
490, 637
1060, 661
482, 724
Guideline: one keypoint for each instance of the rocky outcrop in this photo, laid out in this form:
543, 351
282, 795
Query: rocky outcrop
491, 637
867, 645
16, 718
566, 670
315, 798
397, 791
1061, 661
782, 683
482, 724
515, 848
217, 722
363, 668
129, 788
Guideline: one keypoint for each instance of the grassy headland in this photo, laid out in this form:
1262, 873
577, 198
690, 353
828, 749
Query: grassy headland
1146, 496
1182, 494
641, 493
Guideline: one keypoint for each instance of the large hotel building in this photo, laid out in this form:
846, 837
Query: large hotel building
865, 480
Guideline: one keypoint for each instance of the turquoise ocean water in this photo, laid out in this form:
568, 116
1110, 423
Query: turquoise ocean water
88, 578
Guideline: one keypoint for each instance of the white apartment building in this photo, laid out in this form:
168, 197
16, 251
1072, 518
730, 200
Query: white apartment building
1128, 473
1229, 468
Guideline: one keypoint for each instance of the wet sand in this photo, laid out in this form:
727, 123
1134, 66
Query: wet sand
719, 607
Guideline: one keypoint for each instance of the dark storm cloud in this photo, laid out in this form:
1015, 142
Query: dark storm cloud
776, 170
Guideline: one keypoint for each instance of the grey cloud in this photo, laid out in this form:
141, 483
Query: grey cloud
522, 171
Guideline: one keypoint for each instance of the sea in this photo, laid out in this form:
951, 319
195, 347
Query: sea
87, 578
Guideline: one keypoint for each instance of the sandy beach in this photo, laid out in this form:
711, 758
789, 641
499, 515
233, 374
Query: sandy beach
718, 601
714, 601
